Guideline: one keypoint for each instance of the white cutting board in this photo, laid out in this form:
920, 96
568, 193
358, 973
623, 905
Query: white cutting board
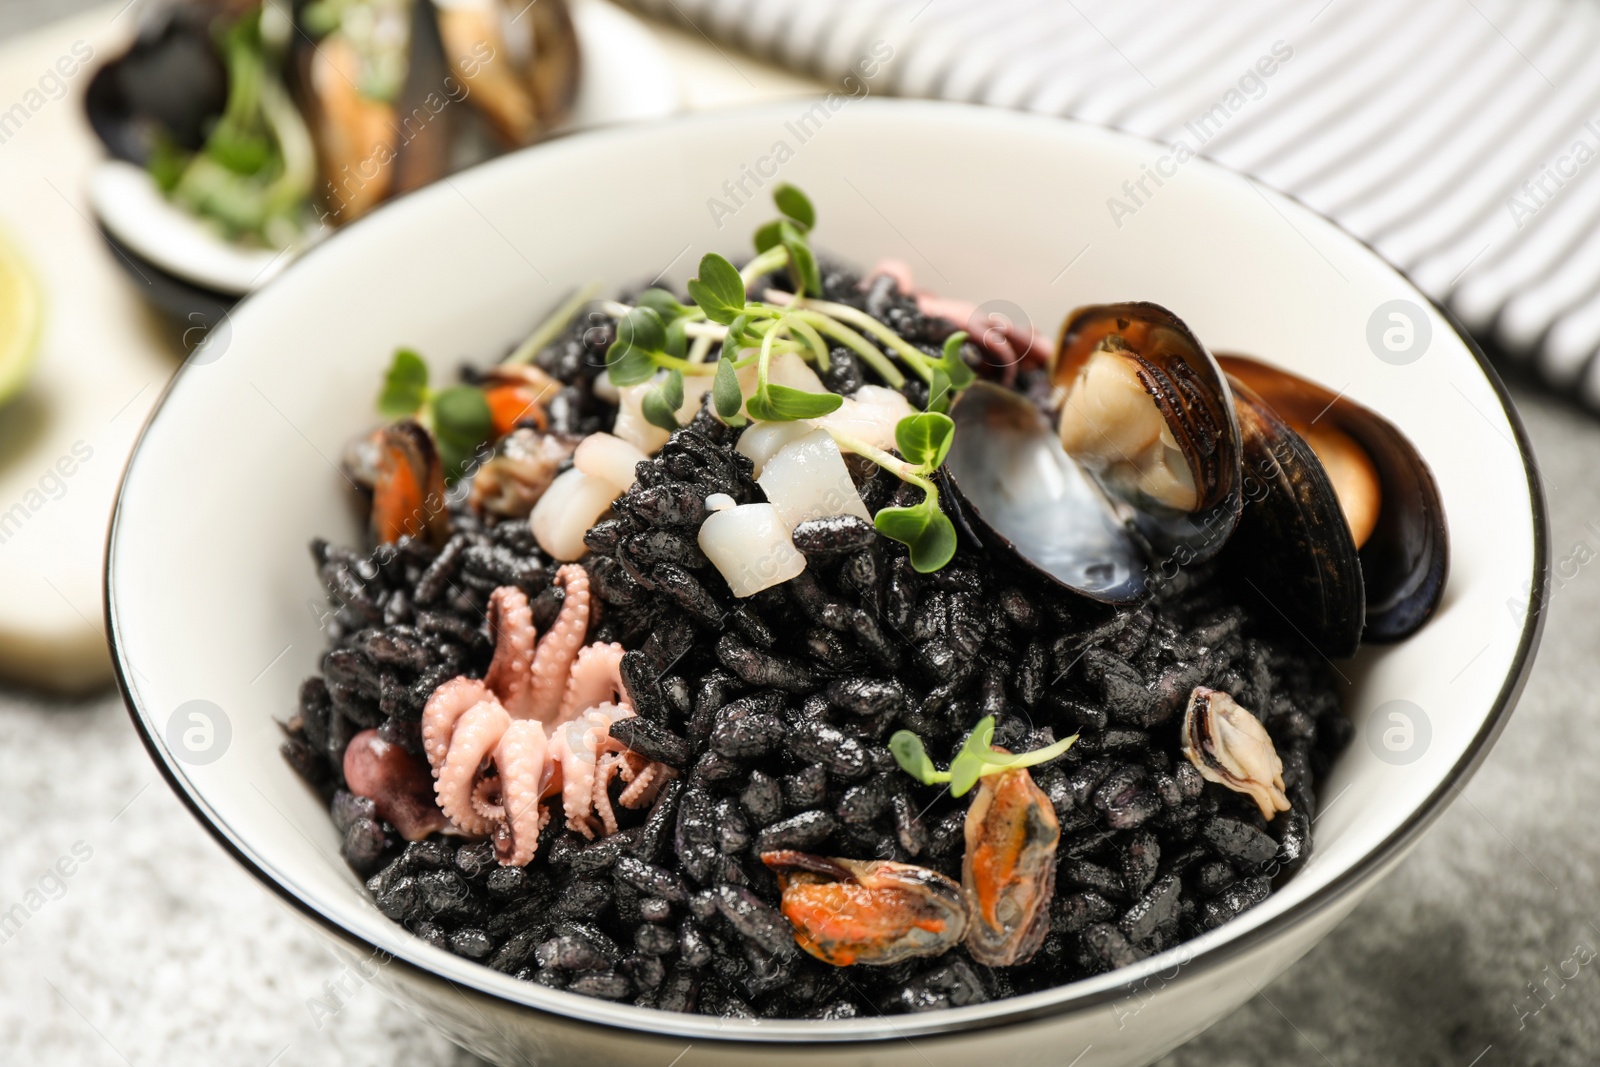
105, 357
103, 360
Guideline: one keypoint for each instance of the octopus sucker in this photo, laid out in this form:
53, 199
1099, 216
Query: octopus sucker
476, 734
646, 782
511, 625
580, 745
439, 716
608, 768
556, 651
520, 757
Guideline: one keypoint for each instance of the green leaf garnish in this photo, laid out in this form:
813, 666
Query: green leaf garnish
924, 529
913, 759
976, 759
660, 405
662, 303
461, 423
781, 403
796, 205
768, 237
405, 387
461, 416
725, 392
677, 342
643, 329
925, 439
628, 365
969, 763
802, 264
953, 365
719, 290
640, 335
939, 391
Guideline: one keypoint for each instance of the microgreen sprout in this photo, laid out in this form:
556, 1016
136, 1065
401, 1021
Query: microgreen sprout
660, 340
976, 759
924, 441
458, 416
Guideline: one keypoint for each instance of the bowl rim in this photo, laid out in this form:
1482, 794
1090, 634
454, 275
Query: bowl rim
577, 1010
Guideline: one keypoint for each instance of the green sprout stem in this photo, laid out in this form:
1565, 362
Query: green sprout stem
765, 263
702, 345
881, 364
553, 324
906, 472
916, 359
976, 759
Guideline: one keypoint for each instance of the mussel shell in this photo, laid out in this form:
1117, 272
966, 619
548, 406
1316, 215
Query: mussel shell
1018, 492
424, 154
170, 83
1292, 546
557, 61
1191, 391
1405, 562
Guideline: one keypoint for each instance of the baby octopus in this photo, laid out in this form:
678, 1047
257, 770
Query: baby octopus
537, 725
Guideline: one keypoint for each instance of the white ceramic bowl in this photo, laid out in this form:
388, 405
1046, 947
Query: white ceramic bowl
211, 595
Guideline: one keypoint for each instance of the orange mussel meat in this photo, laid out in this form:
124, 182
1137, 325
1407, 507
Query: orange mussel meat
1009, 868
873, 912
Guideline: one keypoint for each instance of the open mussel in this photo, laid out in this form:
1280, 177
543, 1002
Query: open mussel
400, 467
1148, 414
1023, 496
1141, 466
872, 912
1293, 547
353, 67
165, 91
1393, 543
1160, 453
523, 60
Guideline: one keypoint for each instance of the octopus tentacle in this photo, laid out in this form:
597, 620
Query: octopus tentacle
439, 716
578, 744
477, 732
511, 625
521, 759
486, 799
596, 678
554, 655
606, 770
646, 784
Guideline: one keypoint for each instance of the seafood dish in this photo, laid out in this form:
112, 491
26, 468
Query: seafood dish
799, 645
240, 131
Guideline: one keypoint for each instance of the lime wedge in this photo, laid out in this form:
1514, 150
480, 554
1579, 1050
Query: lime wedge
21, 312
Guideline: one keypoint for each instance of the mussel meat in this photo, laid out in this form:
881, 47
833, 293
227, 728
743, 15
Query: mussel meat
874, 912
522, 59
1143, 463
408, 493
517, 475
1229, 746
1148, 413
1009, 868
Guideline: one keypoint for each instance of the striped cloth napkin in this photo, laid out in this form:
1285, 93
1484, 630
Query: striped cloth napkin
1460, 138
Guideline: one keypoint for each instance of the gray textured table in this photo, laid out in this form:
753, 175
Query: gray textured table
157, 949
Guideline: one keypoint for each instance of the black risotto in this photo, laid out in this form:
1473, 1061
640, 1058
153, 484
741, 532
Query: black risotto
776, 710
